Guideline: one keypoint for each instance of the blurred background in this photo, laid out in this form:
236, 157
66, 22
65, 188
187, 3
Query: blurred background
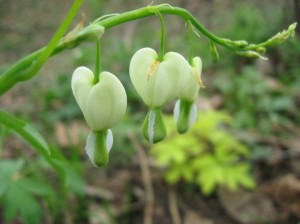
239, 163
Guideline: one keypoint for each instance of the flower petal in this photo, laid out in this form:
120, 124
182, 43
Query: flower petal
106, 102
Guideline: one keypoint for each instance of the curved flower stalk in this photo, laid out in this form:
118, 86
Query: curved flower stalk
157, 82
185, 110
103, 104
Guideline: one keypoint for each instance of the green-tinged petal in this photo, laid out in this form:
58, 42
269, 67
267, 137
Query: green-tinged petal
185, 115
158, 82
190, 91
82, 83
154, 128
106, 103
103, 104
98, 146
141, 75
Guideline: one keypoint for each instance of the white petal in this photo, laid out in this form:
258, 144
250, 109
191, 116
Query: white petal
151, 124
190, 91
176, 111
107, 102
193, 115
109, 140
164, 84
82, 82
90, 147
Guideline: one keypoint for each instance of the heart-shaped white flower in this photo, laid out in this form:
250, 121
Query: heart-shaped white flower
185, 110
158, 82
103, 104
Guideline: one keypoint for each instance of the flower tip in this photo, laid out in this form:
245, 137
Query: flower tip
154, 129
98, 146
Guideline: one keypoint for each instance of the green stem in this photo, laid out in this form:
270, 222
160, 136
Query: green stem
191, 51
36, 60
161, 52
97, 67
19, 71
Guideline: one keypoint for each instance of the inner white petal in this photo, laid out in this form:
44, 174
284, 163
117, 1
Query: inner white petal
176, 111
151, 123
193, 115
90, 146
109, 140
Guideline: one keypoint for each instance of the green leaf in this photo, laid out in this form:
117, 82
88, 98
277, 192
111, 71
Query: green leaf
11, 205
18, 200
30, 210
35, 187
8, 168
172, 175
28, 132
239, 174
72, 177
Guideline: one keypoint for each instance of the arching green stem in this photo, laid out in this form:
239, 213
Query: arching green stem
23, 70
36, 60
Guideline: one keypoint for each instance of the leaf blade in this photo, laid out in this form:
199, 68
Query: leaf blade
27, 131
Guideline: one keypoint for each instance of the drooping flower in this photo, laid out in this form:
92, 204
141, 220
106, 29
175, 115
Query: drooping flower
157, 82
103, 104
185, 110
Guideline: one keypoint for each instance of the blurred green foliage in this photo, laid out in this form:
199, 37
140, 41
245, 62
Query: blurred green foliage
254, 102
14, 186
208, 155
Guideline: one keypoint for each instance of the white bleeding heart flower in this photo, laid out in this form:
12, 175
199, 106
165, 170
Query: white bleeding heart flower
185, 110
103, 104
157, 82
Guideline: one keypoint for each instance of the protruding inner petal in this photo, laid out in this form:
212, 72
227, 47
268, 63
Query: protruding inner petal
90, 147
185, 115
176, 111
193, 115
98, 146
151, 123
198, 77
154, 129
109, 140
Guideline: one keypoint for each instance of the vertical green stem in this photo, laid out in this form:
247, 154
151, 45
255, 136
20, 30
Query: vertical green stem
191, 39
162, 38
97, 67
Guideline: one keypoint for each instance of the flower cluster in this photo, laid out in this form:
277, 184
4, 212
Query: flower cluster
159, 82
103, 103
